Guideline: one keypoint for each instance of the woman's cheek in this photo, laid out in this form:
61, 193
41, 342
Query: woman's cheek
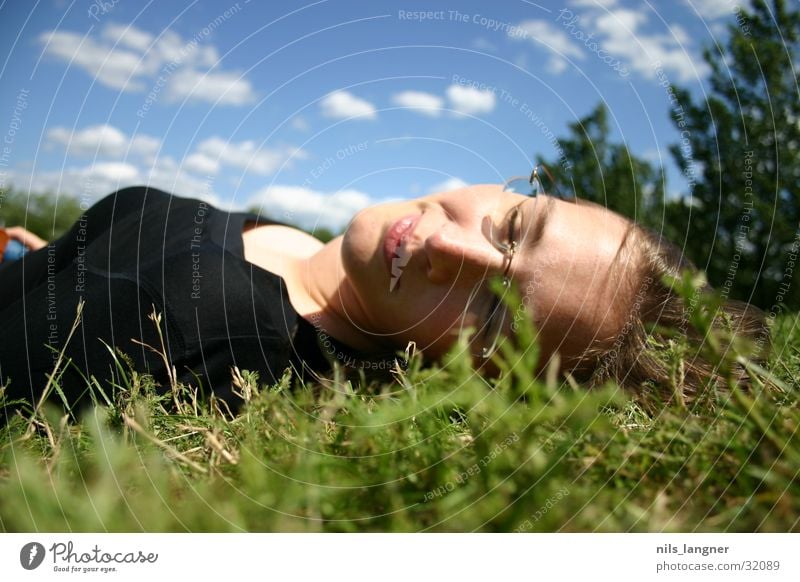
359, 243
448, 321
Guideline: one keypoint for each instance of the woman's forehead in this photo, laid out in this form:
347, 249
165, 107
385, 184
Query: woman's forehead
569, 249
571, 277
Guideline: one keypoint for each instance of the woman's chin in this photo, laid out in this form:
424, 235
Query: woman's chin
360, 242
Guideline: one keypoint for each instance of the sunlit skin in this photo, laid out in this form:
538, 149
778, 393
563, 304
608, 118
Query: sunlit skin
563, 263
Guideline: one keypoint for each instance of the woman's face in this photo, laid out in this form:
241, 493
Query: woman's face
420, 269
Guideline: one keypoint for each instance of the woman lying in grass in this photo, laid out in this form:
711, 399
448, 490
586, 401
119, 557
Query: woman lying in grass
234, 290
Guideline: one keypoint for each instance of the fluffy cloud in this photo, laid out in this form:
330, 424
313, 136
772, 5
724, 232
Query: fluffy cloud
133, 60
303, 206
424, 103
623, 38
96, 180
214, 87
103, 141
343, 105
246, 155
470, 100
128, 36
200, 163
106, 141
112, 171
310, 208
168, 175
115, 67
558, 43
464, 100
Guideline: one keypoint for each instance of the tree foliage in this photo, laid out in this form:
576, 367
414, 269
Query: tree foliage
44, 214
742, 143
605, 172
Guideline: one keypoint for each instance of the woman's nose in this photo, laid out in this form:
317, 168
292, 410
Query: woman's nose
457, 255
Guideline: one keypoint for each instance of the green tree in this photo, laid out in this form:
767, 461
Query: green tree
742, 145
44, 214
606, 172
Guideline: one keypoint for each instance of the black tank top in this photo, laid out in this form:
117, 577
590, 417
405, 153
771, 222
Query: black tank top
136, 251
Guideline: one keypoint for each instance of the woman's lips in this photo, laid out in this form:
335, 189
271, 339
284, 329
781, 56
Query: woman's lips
397, 233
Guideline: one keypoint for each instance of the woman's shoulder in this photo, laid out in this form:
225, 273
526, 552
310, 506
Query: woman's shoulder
279, 239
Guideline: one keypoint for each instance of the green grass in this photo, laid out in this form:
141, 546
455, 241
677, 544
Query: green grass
438, 449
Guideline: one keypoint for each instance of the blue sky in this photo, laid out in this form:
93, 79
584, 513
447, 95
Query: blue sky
315, 110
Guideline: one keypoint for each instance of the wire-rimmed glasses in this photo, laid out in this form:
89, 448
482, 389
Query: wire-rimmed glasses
540, 181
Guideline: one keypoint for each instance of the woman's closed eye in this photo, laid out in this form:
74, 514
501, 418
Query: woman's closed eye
504, 238
508, 244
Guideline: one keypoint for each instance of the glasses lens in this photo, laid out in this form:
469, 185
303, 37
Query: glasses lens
520, 185
490, 338
543, 181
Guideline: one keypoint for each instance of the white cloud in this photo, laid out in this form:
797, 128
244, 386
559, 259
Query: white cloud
98, 140
145, 145
113, 171
103, 141
116, 68
215, 87
99, 179
342, 105
470, 100
167, 175
424, 103
200, 163
128, 36
247, 155
173, 50
106, 141
133, 60
545, 34
94, 181
311, 208
452, 183
622, 36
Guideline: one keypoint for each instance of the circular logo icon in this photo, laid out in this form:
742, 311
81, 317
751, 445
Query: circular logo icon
31, 555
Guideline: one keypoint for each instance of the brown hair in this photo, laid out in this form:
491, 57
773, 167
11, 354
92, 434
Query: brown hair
639, 359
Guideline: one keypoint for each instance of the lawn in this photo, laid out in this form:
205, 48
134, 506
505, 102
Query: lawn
435, 449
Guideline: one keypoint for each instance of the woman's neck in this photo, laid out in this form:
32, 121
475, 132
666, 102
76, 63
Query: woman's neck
331, 299
316, 283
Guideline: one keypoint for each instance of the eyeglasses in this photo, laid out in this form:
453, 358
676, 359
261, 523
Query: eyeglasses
540, 181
